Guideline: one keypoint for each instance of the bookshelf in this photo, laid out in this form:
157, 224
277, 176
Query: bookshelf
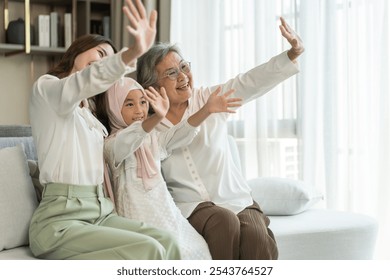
84, 16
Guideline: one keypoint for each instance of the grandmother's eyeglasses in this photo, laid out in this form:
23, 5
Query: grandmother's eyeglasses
172, 74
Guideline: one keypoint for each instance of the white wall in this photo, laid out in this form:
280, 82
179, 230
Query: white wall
17, 74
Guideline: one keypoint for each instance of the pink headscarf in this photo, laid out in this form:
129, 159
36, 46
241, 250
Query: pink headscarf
115, 97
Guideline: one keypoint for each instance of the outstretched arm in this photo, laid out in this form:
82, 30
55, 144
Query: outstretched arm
142, 28
215, 104
295, 41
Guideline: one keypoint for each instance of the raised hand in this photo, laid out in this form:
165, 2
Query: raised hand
143, 30
158, 101
295, 41
222, 103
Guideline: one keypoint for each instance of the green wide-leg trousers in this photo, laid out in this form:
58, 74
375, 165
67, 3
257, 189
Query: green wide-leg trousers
79, 222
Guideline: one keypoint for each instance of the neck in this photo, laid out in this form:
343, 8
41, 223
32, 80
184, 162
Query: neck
176, 112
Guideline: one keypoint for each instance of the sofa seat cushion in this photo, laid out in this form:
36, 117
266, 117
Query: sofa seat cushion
18, 253
319, 234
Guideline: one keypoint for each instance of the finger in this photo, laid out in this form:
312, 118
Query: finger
231, 100
231, 111
163, 93
133, 9
153, 91
147, 97
153, 19
218, 90
286, 34
228, 93
285, 24
133, 21
234, 105
141, 9
150, 95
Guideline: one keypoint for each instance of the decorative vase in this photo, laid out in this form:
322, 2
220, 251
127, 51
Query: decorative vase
15, 33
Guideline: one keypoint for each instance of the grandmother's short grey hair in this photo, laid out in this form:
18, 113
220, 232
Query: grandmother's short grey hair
146, 64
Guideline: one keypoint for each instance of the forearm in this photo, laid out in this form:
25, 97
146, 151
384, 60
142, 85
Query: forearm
197, 118
129, 56
151, 122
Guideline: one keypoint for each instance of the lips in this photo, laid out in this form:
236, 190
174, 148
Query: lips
183, 87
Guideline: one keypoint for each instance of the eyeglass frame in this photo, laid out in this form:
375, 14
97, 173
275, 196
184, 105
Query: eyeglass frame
177, 71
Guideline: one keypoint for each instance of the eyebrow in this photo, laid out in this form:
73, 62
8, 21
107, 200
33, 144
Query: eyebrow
132, 99
102, 50
175, 67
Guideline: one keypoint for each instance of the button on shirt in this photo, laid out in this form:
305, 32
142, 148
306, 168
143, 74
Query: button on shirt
69, 139
204, 170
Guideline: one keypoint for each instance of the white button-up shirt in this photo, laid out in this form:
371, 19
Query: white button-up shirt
204, 170
69, 139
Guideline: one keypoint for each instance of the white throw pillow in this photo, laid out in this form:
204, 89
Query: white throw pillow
17, 200
280, 196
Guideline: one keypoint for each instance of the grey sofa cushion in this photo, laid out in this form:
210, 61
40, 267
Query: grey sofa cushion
15, 130
26, 141
18, 200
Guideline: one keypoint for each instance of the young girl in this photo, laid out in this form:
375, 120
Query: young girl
134, 151
74, 219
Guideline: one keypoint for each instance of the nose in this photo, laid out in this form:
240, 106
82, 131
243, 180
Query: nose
138, 109
182, 76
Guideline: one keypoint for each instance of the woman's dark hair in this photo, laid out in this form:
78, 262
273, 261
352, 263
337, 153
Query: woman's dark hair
65, 66
100, 109
80, 45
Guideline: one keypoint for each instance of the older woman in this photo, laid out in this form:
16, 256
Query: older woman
202, 178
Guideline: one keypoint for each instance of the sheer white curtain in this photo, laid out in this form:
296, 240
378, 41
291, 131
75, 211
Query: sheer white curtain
224, 38
344, 106
330, 125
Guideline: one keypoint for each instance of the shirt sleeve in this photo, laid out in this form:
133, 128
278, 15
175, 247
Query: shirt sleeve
175, 137
125, 142
260, 79
63, 95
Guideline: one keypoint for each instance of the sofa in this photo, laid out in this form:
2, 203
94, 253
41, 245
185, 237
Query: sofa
302, 230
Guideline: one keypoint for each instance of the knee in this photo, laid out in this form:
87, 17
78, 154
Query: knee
225, 222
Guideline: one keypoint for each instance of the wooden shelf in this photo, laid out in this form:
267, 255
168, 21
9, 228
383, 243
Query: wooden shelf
83, 13
11, 49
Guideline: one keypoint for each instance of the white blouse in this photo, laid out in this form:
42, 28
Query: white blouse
69, 139
204, 170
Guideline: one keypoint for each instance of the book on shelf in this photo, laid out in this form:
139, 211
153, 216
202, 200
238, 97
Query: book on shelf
67, 29
54, 26
43, 30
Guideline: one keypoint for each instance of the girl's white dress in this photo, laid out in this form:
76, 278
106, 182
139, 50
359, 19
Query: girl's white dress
152, 203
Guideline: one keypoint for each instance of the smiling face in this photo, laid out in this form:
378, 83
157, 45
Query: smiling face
135, 107
180, 89
90, 56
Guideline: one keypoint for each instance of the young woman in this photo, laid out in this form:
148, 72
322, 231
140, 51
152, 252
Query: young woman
74, 219
134, 151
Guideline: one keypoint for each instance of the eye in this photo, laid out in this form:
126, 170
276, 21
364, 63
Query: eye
144, 102
185, 67
130, 104
172, 73
101, 53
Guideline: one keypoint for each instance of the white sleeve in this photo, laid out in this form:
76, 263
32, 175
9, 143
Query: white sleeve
125, 142
260, 79
64, 95
175, 137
